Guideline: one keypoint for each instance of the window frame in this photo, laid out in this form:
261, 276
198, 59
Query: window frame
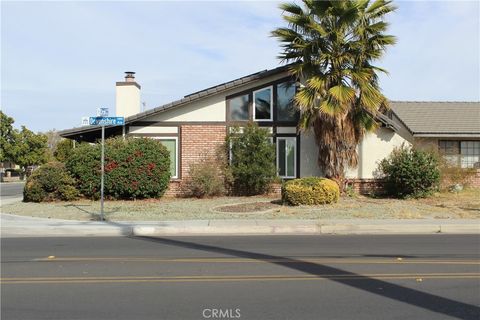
294, 139
459, 155
271, 103
176, 153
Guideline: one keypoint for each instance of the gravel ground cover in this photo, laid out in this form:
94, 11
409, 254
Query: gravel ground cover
465, 205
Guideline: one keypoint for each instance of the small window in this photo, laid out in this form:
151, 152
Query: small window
285, 107
262, 104
172, 147
238, 108
286, 157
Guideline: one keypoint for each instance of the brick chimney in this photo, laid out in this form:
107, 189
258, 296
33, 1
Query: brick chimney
127, 97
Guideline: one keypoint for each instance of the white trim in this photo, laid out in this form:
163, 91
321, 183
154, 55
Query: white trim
152, 129
271, 103
286, 158
176, 152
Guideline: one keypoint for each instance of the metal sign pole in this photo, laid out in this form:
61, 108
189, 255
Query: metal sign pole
103, 172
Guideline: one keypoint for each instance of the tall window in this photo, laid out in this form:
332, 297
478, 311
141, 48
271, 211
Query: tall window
285, 107
262, 104
465, 154
238, 108
172, 146
286, 159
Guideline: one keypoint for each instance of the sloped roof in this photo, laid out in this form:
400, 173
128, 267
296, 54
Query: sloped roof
439, 118
188, 98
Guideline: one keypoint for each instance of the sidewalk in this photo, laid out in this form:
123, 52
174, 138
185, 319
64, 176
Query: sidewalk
19, 226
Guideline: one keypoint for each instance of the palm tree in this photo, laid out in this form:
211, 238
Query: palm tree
334, 44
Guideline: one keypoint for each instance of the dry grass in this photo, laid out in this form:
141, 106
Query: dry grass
465, 205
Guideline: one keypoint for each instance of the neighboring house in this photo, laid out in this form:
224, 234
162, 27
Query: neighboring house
196, 125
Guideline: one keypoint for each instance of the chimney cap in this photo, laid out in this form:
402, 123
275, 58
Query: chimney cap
130, 74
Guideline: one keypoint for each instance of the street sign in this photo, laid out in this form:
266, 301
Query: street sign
107, 121
85, 121
104, 121
102, 112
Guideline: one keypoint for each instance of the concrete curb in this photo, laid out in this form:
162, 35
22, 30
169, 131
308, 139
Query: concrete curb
18, 226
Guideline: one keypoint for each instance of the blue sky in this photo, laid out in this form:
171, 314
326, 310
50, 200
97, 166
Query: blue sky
60, 60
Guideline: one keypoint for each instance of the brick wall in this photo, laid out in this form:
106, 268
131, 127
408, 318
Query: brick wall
198, 141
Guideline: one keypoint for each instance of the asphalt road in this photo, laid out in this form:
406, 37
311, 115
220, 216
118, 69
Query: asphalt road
11, 190
279, 277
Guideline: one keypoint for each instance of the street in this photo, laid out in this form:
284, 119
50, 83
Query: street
243, 277
11, 191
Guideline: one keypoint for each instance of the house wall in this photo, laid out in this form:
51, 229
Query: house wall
209, 109
308, 156
372, 149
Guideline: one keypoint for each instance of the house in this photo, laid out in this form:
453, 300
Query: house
198, 123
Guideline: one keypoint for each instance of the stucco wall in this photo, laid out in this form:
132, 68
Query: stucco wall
308, 156
209, 109
373, 148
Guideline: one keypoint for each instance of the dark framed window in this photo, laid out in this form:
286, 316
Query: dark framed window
263, 104
287, 157
238, 108
285, 105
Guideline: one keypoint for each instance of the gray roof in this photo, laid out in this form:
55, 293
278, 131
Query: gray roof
439, 118
189, 98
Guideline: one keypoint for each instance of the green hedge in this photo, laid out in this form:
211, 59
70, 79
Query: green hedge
310, 191
134, 168
50, 182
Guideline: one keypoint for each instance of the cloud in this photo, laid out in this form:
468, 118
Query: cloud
60, 60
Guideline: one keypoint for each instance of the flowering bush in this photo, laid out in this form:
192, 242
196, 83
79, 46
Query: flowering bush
134, 168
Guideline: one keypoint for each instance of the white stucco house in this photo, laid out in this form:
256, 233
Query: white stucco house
197, 123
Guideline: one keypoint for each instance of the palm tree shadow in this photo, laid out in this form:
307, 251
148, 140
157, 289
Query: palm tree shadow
389, 290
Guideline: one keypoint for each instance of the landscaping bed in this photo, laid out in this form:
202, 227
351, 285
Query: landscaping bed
465, 205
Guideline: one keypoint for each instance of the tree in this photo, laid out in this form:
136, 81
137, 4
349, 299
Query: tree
53, 138
63, 150
334, 44
252, 161
29, 148
7, 136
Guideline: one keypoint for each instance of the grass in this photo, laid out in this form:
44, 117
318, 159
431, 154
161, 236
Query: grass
465, 205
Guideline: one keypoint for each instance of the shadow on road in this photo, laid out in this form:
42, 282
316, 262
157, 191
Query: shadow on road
382, 288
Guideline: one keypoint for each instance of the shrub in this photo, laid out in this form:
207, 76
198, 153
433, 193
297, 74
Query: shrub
454, 175
410, 172
310, 191
206, 178
63, 150
50, 182
134, 168
84, 165
252, 163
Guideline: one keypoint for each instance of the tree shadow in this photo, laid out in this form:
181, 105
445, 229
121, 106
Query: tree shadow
389, 290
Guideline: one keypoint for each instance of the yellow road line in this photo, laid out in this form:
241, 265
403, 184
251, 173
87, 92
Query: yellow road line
247, 260
236, 279
327, 276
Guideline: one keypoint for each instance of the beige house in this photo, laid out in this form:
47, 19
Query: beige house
196, 124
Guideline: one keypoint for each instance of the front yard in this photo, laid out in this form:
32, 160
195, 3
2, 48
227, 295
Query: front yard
465, 205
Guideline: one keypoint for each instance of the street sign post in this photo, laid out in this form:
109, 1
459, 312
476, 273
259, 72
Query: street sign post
103, 120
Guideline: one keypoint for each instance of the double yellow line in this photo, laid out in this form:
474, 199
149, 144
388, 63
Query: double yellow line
251, 260
235, 278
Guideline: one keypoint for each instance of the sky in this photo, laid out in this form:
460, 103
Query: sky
60, 60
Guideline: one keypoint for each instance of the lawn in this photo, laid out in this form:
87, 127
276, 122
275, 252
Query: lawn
465, 205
